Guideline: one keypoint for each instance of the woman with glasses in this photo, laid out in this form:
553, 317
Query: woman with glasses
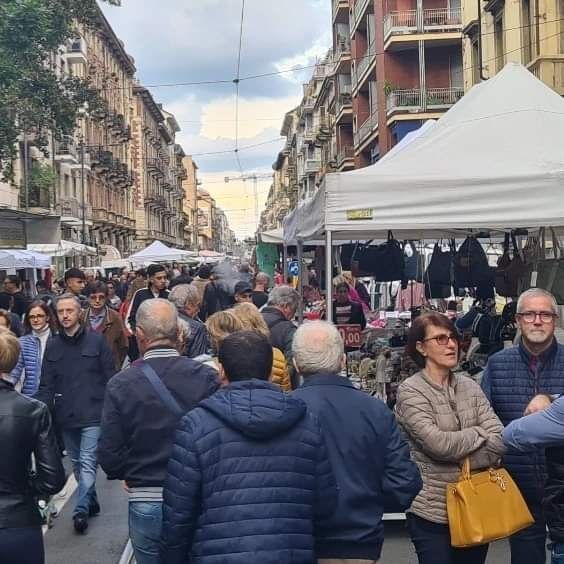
39, 325
446, 418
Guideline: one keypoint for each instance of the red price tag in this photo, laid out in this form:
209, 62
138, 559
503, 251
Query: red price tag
351, 335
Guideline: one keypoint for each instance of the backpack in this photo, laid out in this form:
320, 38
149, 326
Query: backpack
509, 269
438, 276
414, 266
384, 262
471, 266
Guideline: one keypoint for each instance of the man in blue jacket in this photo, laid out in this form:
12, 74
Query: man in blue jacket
370, 458
138, 426
512, 378
77, 365
249, 478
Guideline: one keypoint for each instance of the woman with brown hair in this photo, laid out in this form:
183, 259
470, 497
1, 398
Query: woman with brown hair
252, 320
446, 418
39, 325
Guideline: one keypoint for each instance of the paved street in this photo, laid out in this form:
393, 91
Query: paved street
106, 536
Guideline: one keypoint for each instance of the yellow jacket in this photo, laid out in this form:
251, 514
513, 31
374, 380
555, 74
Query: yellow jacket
279, 373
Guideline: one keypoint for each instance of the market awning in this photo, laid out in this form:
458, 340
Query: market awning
63, 249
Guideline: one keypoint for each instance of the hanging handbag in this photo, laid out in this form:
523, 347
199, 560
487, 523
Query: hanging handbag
438, 276
509, 269
414, 265
384, 262
551, 271
533, 254
484, 507
471, 266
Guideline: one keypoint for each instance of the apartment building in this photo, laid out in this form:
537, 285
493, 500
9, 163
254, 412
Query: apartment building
529, 32
207, 223
406, 67
190, 203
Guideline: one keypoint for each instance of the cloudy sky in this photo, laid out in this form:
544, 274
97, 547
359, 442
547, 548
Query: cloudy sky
179, 41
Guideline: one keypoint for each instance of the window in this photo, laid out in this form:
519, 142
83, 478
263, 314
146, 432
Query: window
499, 40
476, 63
528, 31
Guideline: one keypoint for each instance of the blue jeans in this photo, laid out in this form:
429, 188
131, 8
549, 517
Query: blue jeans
145, 523
529, 545
557, 552
82, 445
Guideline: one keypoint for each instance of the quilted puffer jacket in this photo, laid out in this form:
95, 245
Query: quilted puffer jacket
444, 425
510, 382
248, 480
280, 374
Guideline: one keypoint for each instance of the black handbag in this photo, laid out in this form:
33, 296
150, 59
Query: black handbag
438, 276
414, 266
551, 272
509, 269
384, 262
471, 266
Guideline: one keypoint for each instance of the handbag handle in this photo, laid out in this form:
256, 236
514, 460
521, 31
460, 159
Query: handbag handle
557, 249
466, 475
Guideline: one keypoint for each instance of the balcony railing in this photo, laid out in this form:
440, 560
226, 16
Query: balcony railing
359, 10
550, 71
65, 150
366, 129
425, 21
342, 47
412, 100
312, 166
365, 61
344, 154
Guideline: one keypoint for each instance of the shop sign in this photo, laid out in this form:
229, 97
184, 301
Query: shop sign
12, 234
293, 268
351, 335
354, 215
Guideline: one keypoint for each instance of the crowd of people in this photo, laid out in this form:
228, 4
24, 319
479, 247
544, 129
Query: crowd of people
238, 438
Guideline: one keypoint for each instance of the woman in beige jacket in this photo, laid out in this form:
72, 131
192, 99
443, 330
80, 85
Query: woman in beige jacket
446, 418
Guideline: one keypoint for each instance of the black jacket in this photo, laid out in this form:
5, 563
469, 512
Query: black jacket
370, 460
198, 343
553, 501
138, 428
25, 429
281, 335
74, 375
139, 297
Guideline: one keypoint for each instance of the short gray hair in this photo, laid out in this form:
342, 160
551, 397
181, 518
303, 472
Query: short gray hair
318, 347
158, 319
184, 294
537, 293
284, 296
262, 278
68, 296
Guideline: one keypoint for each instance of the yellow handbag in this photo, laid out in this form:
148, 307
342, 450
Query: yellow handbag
484, 507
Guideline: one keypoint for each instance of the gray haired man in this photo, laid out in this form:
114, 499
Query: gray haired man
187, 300
521, 380
368, 455
278, 314
142, 408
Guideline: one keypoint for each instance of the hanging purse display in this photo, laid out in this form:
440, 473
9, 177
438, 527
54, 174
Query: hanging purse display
533, 253
384, 262
509, 269
438, 276
551, 271
485, 507
471, 266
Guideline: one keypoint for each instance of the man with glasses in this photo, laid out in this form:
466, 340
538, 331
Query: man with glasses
99, 317
518, 381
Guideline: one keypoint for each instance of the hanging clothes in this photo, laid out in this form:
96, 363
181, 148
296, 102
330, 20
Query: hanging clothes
412, 296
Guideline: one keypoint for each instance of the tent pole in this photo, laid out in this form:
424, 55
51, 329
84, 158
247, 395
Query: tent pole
329, 275
300, 246
284, 263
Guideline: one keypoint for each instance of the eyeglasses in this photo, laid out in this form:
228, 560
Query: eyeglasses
442, 340
531, 316
97, 297
36, 317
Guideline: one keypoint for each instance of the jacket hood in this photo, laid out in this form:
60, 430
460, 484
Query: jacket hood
256, 408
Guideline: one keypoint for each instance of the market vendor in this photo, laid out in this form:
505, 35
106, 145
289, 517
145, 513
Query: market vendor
345, 311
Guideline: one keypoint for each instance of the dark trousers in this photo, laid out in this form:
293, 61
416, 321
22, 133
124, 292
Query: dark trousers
529, 545
432, 544
22, 546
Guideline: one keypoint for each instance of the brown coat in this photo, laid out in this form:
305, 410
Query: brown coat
113, 330
443, 427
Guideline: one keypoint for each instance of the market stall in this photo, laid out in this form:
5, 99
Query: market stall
159, 252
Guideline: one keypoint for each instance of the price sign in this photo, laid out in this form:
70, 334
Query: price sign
351, 335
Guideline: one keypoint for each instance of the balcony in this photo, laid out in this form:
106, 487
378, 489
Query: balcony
364, 63
70, 211
415, 101
366, 130
76, 52
155, 166
309, 135
311, 166
550, 71
340, 11
359, 11
435, 20
100, 214
101, 160
65, 150
345, 156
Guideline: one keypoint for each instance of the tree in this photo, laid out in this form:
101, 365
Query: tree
33, 99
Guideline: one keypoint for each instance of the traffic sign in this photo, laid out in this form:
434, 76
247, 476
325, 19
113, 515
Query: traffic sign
294, 268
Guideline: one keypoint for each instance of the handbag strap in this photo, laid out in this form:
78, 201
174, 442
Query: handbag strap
466, 475
161, 390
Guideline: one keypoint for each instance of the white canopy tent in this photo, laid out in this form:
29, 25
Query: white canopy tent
159, 252
494, 161
18, 258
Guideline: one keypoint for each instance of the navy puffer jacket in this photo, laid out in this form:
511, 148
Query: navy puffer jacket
248, 480
510, 382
